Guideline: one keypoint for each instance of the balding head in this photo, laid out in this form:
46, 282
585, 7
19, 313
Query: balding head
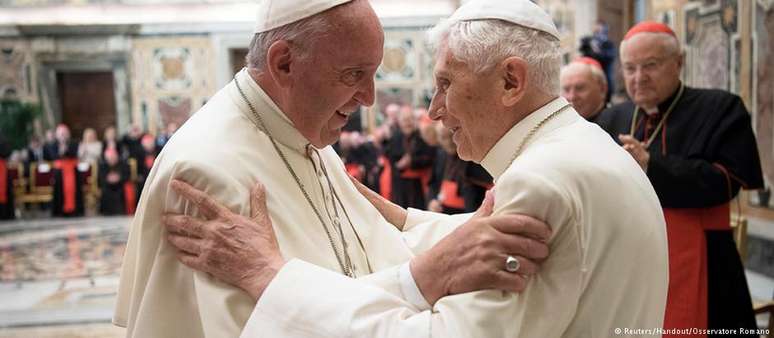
585, 86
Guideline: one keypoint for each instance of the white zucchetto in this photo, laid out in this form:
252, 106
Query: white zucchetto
277, 13
521, 12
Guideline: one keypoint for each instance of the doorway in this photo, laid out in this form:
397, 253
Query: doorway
87, 100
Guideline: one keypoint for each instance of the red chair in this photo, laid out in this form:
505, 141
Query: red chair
41, 183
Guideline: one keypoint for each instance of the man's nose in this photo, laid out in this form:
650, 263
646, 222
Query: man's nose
569, 95
366, 95
435, 111
640, 75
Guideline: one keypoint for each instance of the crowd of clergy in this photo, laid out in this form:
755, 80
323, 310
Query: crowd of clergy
65, 176
412, 161
409, 159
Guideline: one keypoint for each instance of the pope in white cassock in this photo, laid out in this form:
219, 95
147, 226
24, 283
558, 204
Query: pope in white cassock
497, 89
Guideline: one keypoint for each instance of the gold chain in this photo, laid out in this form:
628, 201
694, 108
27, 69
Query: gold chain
342, 257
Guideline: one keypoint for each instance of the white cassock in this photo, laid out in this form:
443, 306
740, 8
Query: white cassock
608, 253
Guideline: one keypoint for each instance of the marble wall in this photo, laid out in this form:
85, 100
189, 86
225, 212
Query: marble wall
763, 86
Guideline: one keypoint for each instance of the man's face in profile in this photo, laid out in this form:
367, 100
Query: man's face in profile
464, 102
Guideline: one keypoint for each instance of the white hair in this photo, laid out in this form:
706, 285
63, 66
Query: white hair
481, 44
303, 35
669, 42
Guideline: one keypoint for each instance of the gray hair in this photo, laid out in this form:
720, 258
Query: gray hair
481, 44
670, 43
302, 34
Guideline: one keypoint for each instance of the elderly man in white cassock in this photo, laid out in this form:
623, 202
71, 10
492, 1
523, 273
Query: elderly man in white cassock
497, 73
311, 62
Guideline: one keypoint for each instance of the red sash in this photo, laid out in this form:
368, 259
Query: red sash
130, 197
149, 159
353, 169
385, 179
68, 166
3, 182
687, 295
450, 197
422, 174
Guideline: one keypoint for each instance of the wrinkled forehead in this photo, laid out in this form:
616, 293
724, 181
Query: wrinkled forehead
446, 65
354, 39
647, 46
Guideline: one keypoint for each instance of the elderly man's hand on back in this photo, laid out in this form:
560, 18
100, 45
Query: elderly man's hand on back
243, 251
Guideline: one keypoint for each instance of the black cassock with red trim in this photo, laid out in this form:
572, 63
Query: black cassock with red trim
700, 157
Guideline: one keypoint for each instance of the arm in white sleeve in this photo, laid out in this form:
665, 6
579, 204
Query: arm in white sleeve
223, 309
423, 229
304, 300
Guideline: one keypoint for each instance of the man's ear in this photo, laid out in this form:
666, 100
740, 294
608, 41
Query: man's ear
680, 61
514, 70
279, 58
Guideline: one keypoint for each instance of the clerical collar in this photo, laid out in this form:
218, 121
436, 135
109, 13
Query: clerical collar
275, 119
500, 156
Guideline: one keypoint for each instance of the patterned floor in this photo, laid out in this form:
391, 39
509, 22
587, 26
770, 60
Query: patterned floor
62, 250
58, 277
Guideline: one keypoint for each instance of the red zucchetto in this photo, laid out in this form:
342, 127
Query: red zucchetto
589, 61
649, 27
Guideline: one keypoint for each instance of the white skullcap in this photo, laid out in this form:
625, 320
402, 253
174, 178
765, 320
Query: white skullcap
521, 12
277, 13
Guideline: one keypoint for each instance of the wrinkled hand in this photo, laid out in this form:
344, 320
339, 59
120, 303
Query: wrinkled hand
637, 149
392, 212
473, 256
238, 250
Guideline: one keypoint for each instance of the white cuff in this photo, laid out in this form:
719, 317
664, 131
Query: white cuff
409, 288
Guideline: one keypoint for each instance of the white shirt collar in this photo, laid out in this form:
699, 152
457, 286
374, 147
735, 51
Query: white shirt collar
500, 156
279, 125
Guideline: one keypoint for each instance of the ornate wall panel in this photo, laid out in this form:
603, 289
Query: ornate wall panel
710, 40
16, 69
172, 77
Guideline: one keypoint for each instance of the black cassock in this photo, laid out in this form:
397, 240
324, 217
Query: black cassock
408, 188
112, 199
703, 154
